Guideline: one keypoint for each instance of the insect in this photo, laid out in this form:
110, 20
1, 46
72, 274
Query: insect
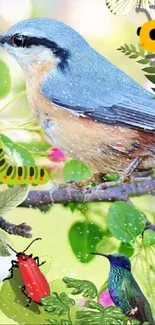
14, 175
34, 281
146, 35
123, 7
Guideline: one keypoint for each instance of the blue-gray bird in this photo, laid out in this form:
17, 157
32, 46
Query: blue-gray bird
124, 290
88, 107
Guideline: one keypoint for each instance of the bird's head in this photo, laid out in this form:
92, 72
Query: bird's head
37, 40
117, 260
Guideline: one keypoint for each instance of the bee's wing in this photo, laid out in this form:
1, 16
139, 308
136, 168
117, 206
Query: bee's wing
120, 7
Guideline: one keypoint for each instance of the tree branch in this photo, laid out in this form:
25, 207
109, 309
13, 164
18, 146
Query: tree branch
12, 229
70, 193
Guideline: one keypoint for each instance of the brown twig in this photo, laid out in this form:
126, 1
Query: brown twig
12, 229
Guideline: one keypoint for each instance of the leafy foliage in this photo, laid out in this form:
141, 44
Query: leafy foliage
12, 197
133, 53
76, 171
125, 221
5, 79
85, 287
57, 304
99, 315
62, 322
83, 237
149, 237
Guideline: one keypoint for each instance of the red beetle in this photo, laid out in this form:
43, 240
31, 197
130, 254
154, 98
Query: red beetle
34, 281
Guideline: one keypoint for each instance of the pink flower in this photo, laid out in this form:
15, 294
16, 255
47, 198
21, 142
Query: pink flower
56, 155
105, 299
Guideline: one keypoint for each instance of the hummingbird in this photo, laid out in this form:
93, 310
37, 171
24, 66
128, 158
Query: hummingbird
124, 290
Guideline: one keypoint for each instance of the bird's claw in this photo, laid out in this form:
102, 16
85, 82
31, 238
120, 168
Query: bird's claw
132, 311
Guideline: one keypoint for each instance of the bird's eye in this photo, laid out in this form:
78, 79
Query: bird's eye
152, 34
18, 40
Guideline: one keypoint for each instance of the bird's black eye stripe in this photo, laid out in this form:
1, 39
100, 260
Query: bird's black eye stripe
19, 40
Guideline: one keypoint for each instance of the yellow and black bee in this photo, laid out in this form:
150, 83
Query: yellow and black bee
146, 35
14, 175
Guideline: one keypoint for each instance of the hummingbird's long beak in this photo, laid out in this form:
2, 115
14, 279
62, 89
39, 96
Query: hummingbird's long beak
101, 254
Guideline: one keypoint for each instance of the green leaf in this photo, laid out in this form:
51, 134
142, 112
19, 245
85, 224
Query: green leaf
127, 47
134, 56
111, 177
143, 61
5, 79
125, 221
111, 315
17, 152
72, 206
104, 287
36, 147
62, 322
154, 91
128, 53
83, 238
57, 304
149, 69
133, 47
107, 245
149, 237
3, 248
127, 249
13, 303
53, 321
150, 77
85, 287
12, 197
76, 171
141, 49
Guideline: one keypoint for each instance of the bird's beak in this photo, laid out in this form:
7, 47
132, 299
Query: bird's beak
105, 255
3, 39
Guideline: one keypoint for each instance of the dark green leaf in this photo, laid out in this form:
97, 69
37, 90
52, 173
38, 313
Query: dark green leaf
126, 248
17, 152
143, 61
149, 237
76, 171
149, 69
154, 91
62, 322
150, 77
128, 53
57, 304
85, 287
126, 46
125, 221
134, 56
111, 315
83, 238
72, 206
5, 79
53, 321
133, 47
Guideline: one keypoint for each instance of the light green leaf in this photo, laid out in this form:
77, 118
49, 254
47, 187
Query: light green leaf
127, 249
85, 287
125, 221
62, 322
3, 248
36, 147
111, 315
12, 197
76, 171
57, 304
5, 80
13, 303
150, 77
111, 177
149, 237
17, 152
133, 47
83, 238
141, 49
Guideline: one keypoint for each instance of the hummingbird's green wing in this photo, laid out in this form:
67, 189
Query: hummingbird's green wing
135, 298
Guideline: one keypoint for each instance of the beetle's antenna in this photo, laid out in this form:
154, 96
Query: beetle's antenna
145, 11
31, 244
11, 248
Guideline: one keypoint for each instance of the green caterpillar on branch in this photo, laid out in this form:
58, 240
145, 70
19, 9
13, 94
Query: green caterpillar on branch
14, 175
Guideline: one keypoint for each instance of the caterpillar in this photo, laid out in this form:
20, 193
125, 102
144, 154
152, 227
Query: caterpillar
14, 175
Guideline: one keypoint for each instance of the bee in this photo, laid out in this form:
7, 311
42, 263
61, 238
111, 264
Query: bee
14, 175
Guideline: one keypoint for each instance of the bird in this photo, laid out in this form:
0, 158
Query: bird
124, 290
87, 106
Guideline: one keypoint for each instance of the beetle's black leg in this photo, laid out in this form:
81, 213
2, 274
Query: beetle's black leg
23, 291
37, 259
14, 264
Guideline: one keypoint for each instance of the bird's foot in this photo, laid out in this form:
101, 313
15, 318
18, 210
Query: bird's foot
132, 311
